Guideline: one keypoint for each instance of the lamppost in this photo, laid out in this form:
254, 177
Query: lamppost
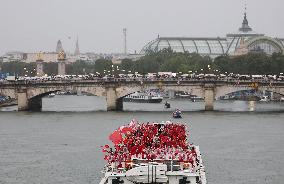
209, 68
116, 71
26, 72
190, 74
216, 71
112, 70
34, 71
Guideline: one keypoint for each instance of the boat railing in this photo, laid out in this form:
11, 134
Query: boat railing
172, 165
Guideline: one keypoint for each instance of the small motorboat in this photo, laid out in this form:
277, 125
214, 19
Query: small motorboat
167, 105
51, 95
177, 114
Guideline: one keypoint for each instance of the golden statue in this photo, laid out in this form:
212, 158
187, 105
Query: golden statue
39, 56
61, 55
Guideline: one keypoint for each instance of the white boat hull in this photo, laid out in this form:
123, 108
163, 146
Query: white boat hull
159, 173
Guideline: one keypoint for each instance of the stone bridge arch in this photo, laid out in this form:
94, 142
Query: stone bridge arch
275, 89
8, 92
43, 91
123, 91
115, 95
31, 98
224, 90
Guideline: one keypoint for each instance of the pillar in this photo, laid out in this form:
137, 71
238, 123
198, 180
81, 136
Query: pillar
22, 100
209, 97
39, 68
61, 67
25, 104
171, 94
113, 104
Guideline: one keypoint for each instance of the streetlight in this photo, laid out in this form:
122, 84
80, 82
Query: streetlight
209, 68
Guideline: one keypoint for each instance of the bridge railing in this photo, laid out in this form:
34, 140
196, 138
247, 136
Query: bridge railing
141, 80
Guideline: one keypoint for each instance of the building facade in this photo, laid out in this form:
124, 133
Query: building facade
242, 41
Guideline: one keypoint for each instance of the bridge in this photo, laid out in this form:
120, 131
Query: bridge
29, 94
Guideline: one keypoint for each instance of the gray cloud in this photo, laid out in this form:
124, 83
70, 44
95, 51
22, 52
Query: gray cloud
36, 25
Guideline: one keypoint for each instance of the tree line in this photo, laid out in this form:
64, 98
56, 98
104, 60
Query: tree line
163, 61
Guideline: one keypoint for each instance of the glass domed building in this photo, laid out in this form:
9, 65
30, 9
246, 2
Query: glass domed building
241, 42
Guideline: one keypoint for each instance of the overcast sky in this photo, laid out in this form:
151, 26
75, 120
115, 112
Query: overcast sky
36, 25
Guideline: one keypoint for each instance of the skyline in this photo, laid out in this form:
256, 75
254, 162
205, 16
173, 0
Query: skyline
99, 25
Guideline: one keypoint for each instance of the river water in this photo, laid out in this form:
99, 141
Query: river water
241, 142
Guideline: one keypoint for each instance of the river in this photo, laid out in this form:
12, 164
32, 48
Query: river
241, 142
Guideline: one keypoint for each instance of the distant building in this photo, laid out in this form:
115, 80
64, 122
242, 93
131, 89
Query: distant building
117, 59
77, 50
13, 56
241, 42
48, 57
59, 47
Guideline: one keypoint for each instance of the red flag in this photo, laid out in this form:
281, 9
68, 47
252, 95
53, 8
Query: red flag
116, 137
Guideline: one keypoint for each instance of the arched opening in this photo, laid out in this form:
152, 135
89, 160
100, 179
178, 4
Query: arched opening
67, 100
35, 103
264, 45
7, 101
252, 95
244, 95
182, 98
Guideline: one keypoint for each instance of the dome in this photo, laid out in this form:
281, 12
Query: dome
214, 47
203, 46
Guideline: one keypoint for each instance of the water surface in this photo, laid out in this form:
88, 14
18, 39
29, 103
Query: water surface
243, 146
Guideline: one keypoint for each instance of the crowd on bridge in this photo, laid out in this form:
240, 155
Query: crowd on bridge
151, 76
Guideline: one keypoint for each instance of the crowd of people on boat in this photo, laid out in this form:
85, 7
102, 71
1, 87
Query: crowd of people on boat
150, 141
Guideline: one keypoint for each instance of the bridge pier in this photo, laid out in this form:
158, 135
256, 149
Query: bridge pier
209, 97
113, 103
171, 94
25, 104
22, 100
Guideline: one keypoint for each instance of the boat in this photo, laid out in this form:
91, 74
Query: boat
51, 95
143, 97
183, 95
264, 99
177, 113
195, 98
161, 154
167, 105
